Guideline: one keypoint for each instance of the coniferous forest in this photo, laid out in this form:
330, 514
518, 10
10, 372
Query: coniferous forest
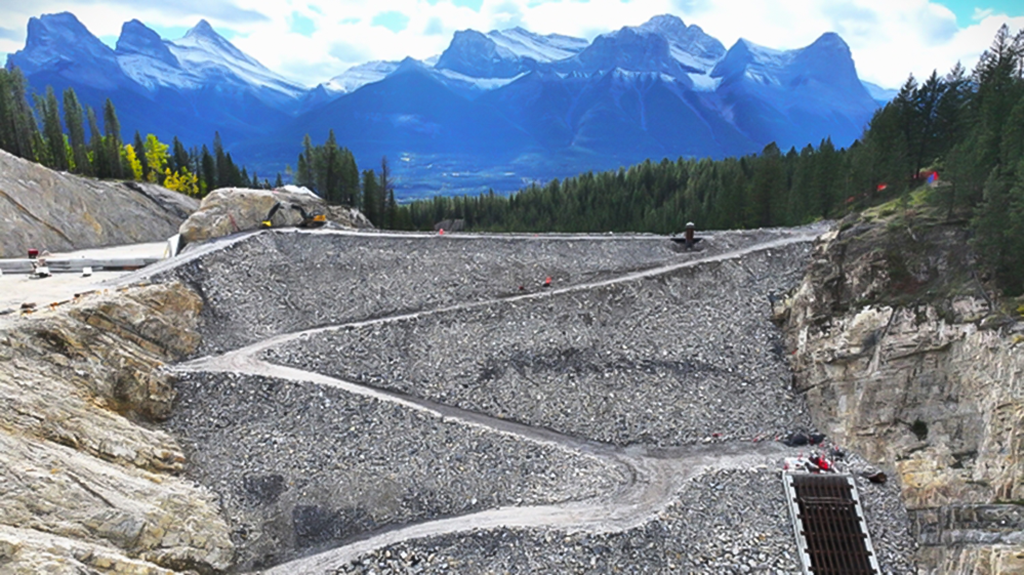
961, 133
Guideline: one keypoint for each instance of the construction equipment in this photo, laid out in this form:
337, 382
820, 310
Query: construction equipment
308, 220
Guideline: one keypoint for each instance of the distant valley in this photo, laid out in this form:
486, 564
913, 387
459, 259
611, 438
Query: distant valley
494, 110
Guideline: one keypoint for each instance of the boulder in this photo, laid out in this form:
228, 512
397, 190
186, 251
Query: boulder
56, 211
231, 210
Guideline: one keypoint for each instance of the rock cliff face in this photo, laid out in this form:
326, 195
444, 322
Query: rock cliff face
56, 211
87, 484
906, 358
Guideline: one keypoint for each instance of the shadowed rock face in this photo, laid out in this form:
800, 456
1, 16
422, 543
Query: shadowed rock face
57, 211
903, 357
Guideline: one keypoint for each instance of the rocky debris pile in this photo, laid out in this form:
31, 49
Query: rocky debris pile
86, 481
681, 358
301, 466
273, 283
903, 358
59, 212
228, 211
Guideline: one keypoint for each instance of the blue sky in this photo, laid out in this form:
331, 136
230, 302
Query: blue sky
311, 41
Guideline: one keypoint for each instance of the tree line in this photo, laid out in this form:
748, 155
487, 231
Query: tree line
42, 134
967, 129
332, 173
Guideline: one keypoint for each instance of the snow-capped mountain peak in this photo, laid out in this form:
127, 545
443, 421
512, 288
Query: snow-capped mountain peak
136, 38
61, 43
526, 44
207, 55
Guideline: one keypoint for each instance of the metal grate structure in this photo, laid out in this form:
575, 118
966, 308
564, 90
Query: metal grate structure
830, 531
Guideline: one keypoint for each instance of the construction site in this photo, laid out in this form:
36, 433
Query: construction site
344, 400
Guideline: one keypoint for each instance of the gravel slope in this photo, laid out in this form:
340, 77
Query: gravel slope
400, 394
666, 361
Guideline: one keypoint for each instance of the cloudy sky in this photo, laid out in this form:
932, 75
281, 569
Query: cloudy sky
310, 41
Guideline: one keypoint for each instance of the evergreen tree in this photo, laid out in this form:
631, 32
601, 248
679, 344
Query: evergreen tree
371, 197
386, 191
140, 152
97, 147
112, 132
52, 130
209, 172
180, 157
76, 132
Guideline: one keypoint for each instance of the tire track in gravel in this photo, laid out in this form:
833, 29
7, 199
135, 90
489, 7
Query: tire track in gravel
655, 476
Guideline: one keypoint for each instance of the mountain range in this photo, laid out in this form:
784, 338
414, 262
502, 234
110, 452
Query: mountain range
494, 110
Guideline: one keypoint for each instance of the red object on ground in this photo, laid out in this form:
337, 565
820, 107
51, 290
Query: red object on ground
440, 232
547, 282
881, 187
33, 254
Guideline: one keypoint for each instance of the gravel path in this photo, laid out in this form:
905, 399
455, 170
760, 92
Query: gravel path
436, 418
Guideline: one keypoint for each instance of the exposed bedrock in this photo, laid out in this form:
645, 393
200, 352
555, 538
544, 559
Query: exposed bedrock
87, 482
904, 358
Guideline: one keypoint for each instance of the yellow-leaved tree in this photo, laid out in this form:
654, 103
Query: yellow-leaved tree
184, 181
129, 157
156, 158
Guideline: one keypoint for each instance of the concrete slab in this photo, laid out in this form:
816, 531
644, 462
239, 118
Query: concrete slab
16, 289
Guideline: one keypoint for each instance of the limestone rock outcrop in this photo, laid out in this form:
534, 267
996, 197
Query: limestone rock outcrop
907, 358
56, 211
86, 483
231, 210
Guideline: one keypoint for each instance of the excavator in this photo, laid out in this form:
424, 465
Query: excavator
308, 220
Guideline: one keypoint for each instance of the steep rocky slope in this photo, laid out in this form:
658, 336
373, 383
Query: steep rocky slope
905, 357
87, 483
57, 211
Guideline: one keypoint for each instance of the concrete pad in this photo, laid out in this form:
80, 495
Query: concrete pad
16, 289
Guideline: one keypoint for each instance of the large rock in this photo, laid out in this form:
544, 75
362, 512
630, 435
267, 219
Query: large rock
905, 358
57, 211
87, 483
231, 210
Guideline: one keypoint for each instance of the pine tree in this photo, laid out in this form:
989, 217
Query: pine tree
384, 191
180, 157
97, 147
371, 197
223, 178
53, 131
209, 169
140, 152
76, 132
112, 132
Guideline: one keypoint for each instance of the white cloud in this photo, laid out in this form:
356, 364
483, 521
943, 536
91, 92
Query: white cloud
888, 39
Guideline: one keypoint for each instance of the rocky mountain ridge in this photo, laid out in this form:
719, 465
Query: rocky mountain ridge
676, 92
